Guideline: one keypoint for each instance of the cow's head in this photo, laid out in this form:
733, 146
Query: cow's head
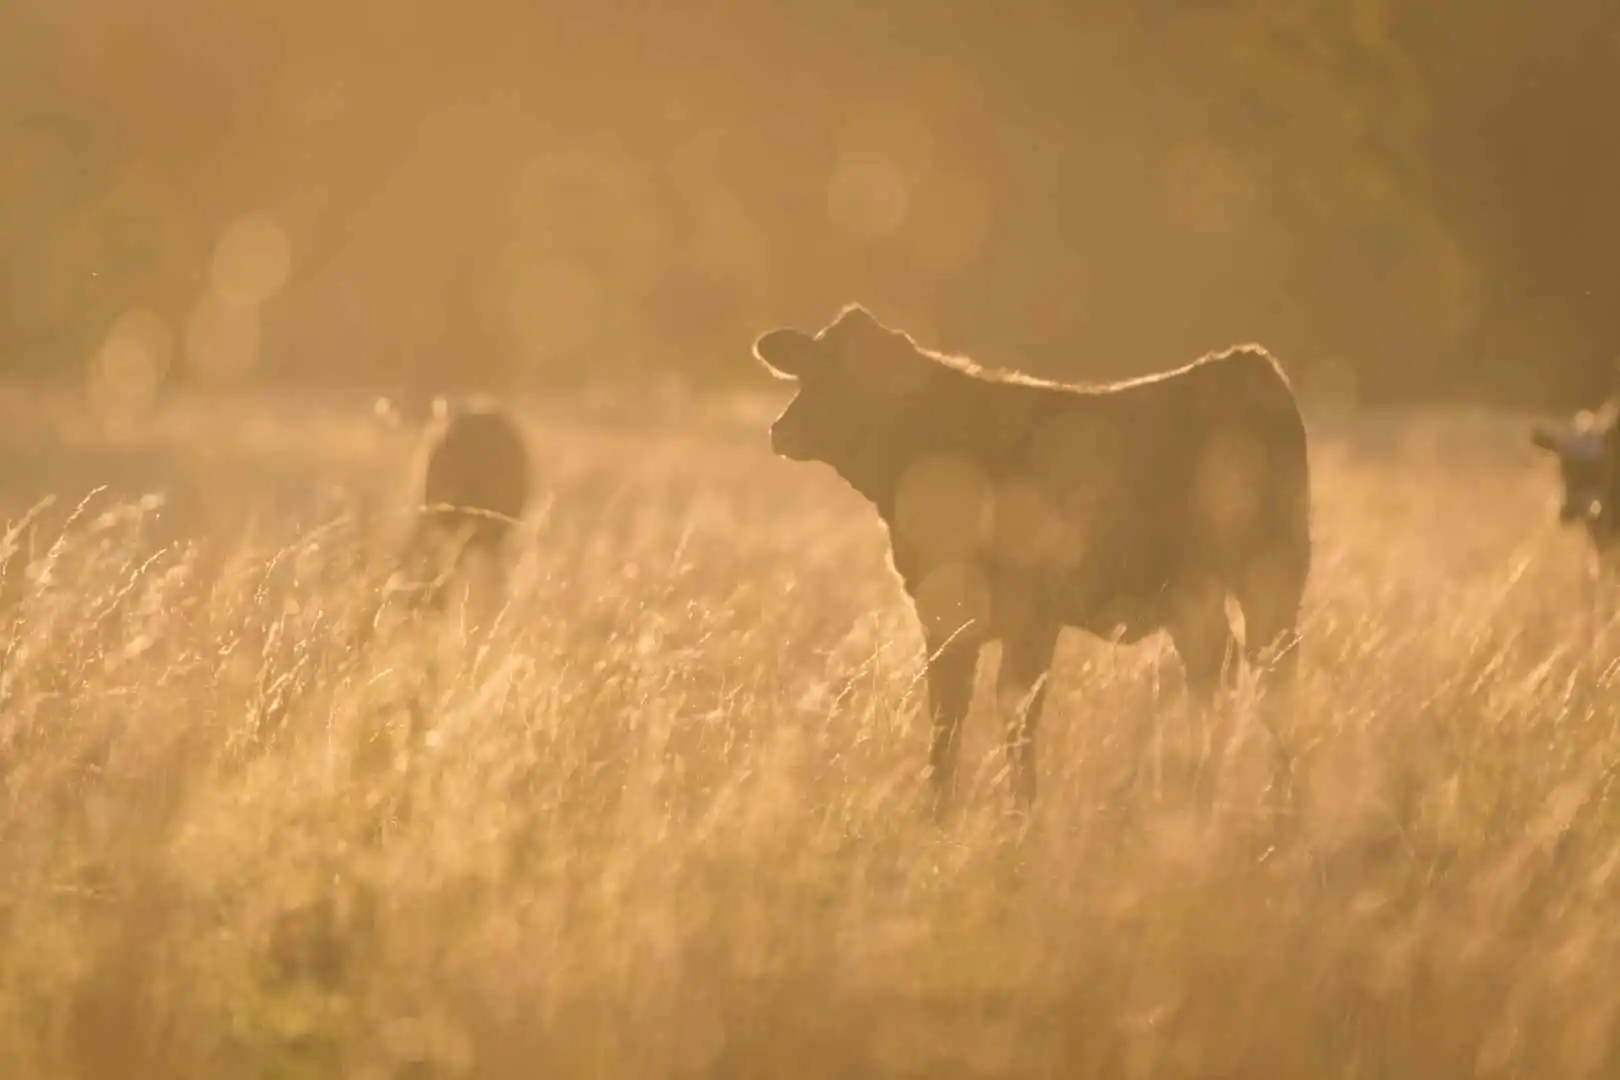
1584, 453
855, 377
408, 411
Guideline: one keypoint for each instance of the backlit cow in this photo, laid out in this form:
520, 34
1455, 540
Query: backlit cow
473, 484
1016, 507
1586, 466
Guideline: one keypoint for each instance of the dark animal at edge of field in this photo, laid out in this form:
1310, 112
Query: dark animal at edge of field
471, 484
1016, 507
1588, 472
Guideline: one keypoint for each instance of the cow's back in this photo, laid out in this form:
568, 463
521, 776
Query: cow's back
1172, 479
1245, 465
1228, 448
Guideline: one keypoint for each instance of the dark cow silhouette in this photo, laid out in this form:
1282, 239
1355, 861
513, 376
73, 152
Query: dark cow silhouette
473, 484
1016, 507
1586, 454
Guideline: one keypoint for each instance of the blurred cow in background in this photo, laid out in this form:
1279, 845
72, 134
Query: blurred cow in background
470, 486
1586, 451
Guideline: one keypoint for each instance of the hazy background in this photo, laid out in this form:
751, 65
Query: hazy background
663, 817
1404, 201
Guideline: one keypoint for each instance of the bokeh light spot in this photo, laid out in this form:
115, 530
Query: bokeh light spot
129, 367
728, 244
943, 506
1030, 532
954, 598
1206, 190
1436, 290
950, 219
251, 261
894, 128
555, 306
222, 339
1083, 467
1329, 382
868, 195
1227, 483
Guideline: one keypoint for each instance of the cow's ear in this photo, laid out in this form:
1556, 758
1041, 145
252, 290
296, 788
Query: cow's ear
786, 351
1544, 438
387, 413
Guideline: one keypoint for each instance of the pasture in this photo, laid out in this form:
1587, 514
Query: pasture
664, 816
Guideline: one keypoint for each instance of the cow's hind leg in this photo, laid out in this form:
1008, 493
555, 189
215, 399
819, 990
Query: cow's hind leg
951, 666
1026, 661
1203, 638
1270, 591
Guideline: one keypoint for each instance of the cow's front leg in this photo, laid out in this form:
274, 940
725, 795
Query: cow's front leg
1026, 661
1203, 638
951, 666
952, 602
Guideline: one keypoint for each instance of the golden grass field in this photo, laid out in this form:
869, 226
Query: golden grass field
664, 817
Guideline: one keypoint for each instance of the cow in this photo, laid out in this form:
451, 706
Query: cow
1016, 507
472, 484
1586, 454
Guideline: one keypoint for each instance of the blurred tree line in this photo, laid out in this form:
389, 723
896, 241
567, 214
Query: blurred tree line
1403, 200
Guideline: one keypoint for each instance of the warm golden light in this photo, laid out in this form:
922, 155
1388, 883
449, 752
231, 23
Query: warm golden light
868, 195
222, 339
251, 262
896, 128
951, 216
855, 717
944, 506
556, 307
1207, 190
127, 371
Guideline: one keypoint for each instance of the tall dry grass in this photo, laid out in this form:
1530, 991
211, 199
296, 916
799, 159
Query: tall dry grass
661, 816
